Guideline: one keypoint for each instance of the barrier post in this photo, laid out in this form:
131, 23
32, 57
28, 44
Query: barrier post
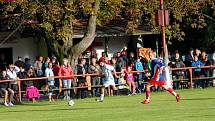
19, 91
191, 77
88, 80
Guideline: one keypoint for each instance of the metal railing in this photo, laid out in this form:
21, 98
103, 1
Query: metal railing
190, 69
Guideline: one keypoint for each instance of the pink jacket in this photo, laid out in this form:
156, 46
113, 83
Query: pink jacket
32, 92
65, 71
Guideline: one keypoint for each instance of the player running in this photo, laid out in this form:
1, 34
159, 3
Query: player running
107, 70
157, 79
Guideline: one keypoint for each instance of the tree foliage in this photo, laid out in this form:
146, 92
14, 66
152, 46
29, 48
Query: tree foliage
54, 19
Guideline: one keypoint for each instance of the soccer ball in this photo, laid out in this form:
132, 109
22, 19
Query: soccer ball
71, 103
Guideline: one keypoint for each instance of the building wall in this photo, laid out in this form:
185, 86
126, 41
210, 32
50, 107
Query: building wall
23, 47
114, 44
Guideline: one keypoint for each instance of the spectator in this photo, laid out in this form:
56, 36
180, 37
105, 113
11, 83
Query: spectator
177, 63
103, 56
131, 60
22, 74
130, 80
204, 59
55, 68
95, 69
198, 53
213, 58
139, 67
144, 62
32, 93
19, 62
66, 70
46, 64
117, 68
197, 71
124, 59
80, 69
119, 59
31, 74
27, 63
38, 66
5, 88
50, 81
189, 58
3, 63
12, 74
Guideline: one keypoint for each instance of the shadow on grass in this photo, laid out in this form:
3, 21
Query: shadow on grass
189, 99
47, 110
68, 108
212, 98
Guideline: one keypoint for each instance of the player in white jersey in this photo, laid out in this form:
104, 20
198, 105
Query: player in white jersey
108, 71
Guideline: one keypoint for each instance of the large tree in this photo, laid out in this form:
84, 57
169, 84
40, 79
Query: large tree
54, 20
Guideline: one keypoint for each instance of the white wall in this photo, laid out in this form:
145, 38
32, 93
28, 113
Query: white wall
23, 47
115, 44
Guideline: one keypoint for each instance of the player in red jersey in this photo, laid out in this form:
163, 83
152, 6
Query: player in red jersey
157, 79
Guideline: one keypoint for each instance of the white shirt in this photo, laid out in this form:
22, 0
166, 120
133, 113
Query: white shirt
107, 70
48, 73
12, 74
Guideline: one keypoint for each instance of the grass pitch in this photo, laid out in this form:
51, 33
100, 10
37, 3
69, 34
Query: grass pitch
196, 105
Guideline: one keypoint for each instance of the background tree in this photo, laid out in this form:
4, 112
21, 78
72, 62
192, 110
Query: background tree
54, 20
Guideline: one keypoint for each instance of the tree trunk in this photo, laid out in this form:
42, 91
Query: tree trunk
74, 51
89, 37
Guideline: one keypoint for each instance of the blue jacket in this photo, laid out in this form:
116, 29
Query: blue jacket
138, 66
196, 64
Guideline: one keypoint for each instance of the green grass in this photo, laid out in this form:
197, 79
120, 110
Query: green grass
196, 105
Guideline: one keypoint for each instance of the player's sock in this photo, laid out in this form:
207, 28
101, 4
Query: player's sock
102, 97
170, 90
148, 92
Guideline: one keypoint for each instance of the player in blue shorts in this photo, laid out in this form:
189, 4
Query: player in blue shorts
157, 79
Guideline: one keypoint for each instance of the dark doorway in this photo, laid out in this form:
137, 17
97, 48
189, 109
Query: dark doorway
6, 56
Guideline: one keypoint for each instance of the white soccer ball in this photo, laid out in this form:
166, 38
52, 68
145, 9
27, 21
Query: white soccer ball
71, 103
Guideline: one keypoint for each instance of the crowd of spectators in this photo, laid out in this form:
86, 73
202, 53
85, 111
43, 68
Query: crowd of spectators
122, 62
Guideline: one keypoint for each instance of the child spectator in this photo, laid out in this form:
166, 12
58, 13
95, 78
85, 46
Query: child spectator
50, 81
32, 93
5, 88
130, 80
139, 67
